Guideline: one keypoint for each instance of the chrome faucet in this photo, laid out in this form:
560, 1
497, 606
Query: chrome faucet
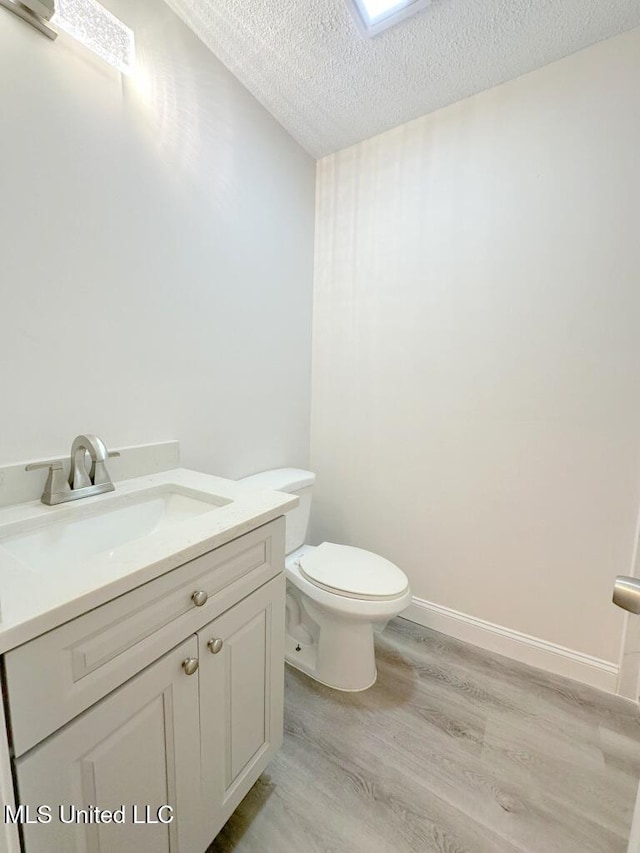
79, 476
82, 482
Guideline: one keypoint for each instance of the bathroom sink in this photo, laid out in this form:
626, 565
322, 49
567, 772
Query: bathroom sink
101, 529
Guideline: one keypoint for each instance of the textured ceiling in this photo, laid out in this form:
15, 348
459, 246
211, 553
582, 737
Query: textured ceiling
330, 87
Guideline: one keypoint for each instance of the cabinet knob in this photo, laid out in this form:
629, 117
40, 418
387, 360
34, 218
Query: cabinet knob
199, 597
215, 645
190, 665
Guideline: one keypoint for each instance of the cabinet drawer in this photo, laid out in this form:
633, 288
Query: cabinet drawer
56, 676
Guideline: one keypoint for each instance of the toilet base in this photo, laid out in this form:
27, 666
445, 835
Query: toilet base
336, 650
305, 661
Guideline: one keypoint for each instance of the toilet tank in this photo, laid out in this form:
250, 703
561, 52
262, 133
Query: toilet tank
297, 482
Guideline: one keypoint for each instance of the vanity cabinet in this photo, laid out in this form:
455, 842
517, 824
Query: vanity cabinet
241, 699
139, 746
192, 729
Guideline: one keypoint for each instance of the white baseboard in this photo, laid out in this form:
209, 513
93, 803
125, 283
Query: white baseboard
560, 660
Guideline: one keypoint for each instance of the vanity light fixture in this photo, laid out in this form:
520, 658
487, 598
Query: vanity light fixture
85, 20
374, 16
38, 13
95, 27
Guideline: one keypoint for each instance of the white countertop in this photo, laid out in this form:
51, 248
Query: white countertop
33, 601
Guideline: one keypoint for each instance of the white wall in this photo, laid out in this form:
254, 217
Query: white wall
156, 253
476, 409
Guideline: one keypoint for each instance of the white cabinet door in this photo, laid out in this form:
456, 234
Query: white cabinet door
9, 838
138, 747
241, 698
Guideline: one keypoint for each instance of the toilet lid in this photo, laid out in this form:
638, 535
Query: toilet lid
353, 572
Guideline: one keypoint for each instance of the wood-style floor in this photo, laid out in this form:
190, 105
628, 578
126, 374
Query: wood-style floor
453, 750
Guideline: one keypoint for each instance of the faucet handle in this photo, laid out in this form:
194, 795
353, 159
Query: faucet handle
56, 481
53, 464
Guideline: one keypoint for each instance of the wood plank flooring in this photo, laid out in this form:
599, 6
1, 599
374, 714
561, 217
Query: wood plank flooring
454, 750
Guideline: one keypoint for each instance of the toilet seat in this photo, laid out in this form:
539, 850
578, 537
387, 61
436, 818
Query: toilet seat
352, 572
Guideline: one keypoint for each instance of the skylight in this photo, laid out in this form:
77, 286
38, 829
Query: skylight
375, 9
373, 16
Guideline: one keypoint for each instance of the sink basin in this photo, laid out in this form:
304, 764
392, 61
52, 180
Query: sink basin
99, 530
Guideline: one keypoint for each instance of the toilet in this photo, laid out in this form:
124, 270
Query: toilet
336, 594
